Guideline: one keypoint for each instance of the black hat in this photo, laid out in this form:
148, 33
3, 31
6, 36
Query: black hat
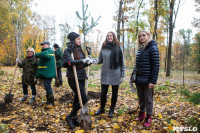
55, 46
72, 36
45, 42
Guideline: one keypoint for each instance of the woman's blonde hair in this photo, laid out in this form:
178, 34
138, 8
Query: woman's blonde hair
31, 49
138, 40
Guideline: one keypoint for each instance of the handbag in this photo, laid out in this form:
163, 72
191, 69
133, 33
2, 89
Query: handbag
133, 77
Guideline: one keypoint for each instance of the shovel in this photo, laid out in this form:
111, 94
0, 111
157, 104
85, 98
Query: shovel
84, 118
88, 68
9, 97
57, 83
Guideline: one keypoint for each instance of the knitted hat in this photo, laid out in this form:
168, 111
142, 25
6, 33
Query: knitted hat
72, 36
31, 49
55, 46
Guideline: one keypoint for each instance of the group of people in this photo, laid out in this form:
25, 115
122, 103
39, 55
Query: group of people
43, 69
112, 72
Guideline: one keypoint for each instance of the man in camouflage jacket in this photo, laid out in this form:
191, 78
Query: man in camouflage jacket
29, 65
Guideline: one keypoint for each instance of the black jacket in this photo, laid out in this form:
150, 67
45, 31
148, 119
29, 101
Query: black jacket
147, 64
68, 63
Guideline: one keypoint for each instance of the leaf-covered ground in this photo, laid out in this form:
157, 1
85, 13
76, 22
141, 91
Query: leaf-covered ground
171, 109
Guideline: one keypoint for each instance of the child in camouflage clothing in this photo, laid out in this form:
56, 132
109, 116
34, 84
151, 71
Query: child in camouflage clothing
29, 65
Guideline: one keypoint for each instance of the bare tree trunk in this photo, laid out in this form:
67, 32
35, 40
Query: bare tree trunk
137, 23
171, 27
156, 20
119, 19
166, 49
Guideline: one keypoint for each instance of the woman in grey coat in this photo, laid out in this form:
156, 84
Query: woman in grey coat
112, 70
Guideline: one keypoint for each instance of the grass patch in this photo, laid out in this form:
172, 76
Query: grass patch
162, 88
194, 122
4, 128
191, 97
95, 67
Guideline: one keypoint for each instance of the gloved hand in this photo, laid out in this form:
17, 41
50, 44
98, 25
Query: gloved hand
90, 61
95, 61
18, 61
122, 79
86, 60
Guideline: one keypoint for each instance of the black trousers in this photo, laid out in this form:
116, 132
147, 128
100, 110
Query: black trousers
76, 104
104, 91
59, 73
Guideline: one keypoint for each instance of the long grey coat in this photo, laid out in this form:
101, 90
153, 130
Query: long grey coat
110, 76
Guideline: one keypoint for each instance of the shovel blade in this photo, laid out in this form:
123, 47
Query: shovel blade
85, 119
85, 122
8, 98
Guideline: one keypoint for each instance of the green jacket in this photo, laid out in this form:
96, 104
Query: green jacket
29, 65
59, 57
46, 64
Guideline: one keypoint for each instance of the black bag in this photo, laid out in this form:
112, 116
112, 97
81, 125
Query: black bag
133, 77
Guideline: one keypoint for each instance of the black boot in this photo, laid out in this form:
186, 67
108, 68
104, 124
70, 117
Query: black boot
47, 96
111, 113
100, 111
75, 120
50, 100
70, 122
104, 91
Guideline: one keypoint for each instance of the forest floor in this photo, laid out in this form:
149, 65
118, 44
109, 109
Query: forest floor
175, 105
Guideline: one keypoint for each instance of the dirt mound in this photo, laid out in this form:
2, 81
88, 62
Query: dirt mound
65, 98
94, 95
2, 107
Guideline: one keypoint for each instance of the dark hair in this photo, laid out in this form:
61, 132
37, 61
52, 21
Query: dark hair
115, 40
77, 54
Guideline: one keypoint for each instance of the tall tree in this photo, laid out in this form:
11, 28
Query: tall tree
119, 19
86, 27
197, 50
196, 22
21, 12
172, 21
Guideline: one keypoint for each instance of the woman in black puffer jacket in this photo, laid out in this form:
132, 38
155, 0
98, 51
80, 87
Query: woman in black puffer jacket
80, 62
146, 69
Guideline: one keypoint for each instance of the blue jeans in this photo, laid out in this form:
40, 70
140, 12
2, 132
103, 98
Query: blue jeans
25, 90
47, 86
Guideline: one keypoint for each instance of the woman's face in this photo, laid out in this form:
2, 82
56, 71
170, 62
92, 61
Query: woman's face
109, 37
30, 53
143, 37
78, 41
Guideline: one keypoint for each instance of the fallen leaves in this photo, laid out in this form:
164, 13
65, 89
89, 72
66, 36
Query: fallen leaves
169, 110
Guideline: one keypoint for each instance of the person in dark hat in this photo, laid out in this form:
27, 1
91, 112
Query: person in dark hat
80, 62
59, 61
46, 70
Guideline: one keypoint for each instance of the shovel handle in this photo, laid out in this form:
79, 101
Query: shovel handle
77, 84
11, 86
86, 89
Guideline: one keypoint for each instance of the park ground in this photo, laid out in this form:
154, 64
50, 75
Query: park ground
175, 105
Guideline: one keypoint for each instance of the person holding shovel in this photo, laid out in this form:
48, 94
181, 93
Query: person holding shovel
80, 62
59, 58
112, 70
146, 70
46, 70
29, 65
